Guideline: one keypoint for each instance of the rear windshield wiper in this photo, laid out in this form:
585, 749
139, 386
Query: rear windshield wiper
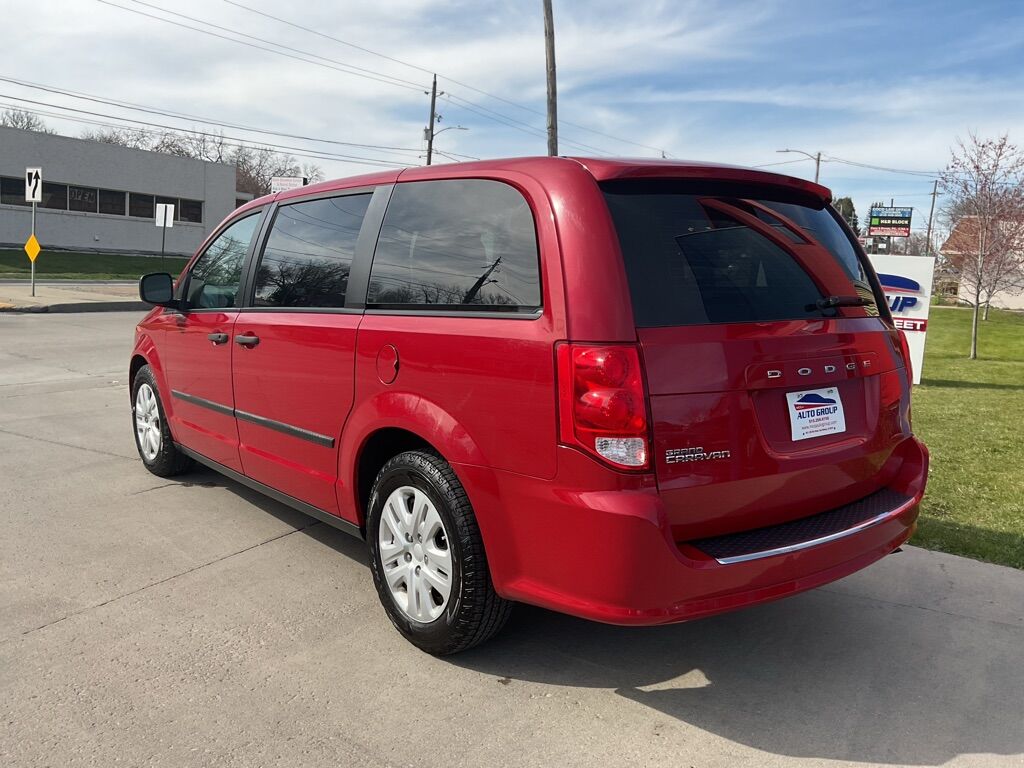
830, 302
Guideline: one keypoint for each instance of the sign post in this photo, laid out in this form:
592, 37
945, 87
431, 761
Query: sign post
164, 220
33, 194
907, 285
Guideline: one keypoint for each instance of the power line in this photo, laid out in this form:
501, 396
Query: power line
834, 159
511, 122
331, 64
293, 150
782, 162
347, 69
341, 66
184, 116
373, 74
482, 92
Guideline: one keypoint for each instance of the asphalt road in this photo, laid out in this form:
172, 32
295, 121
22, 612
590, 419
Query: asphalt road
158, 623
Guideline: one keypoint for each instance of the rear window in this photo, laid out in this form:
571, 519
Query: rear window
691, 263
466, 244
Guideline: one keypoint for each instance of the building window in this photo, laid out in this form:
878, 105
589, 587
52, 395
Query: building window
170, 201
191, 210
141, 206
12, 191
112, 202
71, 197
82, 199
55, 196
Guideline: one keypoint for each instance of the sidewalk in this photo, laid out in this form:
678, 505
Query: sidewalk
73, 296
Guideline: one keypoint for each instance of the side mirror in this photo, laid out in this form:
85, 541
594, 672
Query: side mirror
157, 288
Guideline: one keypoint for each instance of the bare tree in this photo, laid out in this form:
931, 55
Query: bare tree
122, 137
916, 244
312, 173
985, 183
26, 121
255, 166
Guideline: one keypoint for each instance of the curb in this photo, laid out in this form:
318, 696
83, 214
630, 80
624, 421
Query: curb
78, 306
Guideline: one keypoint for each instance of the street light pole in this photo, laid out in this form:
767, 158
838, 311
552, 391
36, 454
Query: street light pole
815, 157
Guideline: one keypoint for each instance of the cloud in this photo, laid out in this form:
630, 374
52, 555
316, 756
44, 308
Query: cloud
707, 79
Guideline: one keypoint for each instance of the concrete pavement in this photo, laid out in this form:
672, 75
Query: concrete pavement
195, 623
69, 296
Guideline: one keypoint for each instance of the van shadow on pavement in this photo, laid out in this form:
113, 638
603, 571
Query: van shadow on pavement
822, 675
827, 674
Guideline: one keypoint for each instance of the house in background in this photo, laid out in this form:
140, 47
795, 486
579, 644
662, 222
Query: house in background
963, 243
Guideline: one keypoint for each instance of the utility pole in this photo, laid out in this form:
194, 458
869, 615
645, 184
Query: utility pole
931, 215
430, 125
471, 294
815, 157
549, 47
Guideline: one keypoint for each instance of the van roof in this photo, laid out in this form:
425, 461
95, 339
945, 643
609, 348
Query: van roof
602, 169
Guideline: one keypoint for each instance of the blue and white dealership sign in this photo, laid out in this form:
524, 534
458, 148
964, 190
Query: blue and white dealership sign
907, 283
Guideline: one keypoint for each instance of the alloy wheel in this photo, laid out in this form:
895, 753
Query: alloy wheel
147, 422
415, 555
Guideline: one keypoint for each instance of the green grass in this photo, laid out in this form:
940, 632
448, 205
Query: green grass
971, 415
69, 265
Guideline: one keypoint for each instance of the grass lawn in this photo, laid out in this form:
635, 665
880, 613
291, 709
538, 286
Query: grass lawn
68, 265
971, 415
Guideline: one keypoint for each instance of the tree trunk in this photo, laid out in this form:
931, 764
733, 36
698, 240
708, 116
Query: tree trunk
974, 327
988, 305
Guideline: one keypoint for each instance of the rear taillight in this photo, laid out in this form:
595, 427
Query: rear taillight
601, 403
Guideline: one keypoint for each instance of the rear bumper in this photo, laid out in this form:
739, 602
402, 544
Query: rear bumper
606, 553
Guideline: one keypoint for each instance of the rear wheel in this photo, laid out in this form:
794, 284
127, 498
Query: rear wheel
427, 556
152, 434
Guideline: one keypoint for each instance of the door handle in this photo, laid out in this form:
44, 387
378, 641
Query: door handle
217, 338
247, 340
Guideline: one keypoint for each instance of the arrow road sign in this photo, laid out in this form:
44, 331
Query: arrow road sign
33, 185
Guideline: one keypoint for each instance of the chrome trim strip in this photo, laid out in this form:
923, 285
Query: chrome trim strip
203, 402
278, 426
286, 429
821, 539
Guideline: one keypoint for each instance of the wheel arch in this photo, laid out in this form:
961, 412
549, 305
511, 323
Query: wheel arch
378, 447
145, 354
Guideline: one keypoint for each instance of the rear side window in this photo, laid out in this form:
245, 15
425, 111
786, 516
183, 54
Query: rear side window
213, 282
467, 244
308, 255
692, 264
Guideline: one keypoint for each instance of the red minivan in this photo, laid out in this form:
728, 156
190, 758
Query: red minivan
634, 391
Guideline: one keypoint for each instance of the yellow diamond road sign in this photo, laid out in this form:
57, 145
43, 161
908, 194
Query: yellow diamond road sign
32, 247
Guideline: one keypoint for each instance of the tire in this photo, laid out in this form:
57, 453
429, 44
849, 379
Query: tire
149, 425
420, 485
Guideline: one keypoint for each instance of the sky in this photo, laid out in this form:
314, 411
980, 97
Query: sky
889, 85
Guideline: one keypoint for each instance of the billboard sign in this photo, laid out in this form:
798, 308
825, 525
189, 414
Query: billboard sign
283, 183
907, 284
889, 222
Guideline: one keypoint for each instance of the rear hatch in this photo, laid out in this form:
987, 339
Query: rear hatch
776, 385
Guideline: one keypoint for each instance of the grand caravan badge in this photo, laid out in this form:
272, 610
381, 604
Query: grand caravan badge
682, 455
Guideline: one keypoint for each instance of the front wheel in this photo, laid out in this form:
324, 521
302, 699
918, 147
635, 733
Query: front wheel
152, 433
427, 556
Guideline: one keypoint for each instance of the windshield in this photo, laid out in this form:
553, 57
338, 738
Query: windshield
725, 256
